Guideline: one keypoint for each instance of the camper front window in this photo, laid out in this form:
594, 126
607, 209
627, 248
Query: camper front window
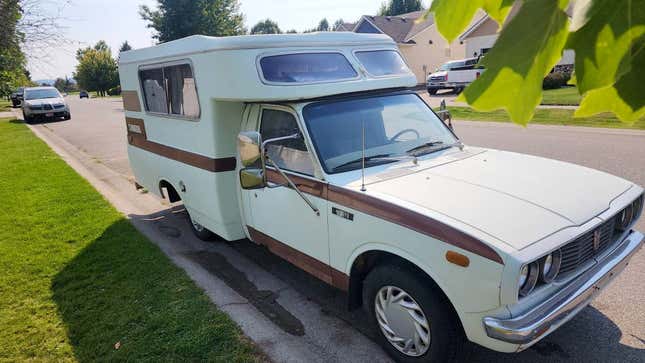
170, 90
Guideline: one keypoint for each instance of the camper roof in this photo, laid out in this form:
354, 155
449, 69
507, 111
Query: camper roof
202, 44
257, 68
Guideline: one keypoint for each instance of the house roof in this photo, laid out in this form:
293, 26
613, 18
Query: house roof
346, 27
402, 28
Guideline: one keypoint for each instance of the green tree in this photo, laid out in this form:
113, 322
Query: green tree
267, 26
398, 7
608, 38
176, 19
337, 24
292, 31
125, 47
12, 60
96, 69
323, 25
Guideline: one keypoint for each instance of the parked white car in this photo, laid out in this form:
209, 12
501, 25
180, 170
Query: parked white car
317, 147
455, 75
43, 103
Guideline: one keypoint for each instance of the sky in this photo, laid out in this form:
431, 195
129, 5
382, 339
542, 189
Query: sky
84, 22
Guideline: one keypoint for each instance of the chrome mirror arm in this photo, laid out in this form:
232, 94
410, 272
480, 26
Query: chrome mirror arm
292, 185
265, 158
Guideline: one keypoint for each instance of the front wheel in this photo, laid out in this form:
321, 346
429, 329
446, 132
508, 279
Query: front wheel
414, 320
432, 91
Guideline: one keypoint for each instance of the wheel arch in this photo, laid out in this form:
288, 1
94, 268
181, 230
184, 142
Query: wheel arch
368, 257
172, 194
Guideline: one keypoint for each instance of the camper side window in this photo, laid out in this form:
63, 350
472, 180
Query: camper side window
170, 90
288, 154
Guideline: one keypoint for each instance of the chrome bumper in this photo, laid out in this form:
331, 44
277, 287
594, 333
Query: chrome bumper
528, 328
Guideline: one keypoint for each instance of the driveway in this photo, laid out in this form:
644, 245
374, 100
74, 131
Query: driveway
293, 316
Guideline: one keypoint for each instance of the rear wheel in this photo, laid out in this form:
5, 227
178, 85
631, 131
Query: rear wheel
432, 91
200, 231
414, 320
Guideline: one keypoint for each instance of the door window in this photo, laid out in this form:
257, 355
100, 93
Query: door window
288, 154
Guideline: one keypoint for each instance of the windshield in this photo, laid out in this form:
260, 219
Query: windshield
394, 125
36, 94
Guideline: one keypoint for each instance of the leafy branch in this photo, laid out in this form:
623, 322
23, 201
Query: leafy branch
607, 36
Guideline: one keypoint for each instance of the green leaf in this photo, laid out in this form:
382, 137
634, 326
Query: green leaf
604, 35
625, 97
453, 16
527, 49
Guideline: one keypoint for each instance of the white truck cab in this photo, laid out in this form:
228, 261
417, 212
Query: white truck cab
455, 75
317, 147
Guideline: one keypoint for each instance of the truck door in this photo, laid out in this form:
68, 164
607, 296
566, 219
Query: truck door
285, 222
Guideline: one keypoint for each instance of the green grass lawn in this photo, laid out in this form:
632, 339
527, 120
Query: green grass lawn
5, 105
548, 117
561, 96
79, 283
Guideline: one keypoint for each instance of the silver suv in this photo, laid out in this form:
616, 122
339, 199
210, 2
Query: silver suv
44, 103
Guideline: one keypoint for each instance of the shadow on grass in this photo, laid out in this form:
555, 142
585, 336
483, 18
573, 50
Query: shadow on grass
122, 299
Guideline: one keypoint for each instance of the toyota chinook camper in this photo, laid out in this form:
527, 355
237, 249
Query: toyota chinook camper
316, 147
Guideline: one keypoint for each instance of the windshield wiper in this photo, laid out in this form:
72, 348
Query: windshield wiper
433, 146
425, 145
367, 158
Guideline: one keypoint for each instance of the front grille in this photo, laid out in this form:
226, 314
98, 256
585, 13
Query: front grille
582, 249
47, 107
437, 79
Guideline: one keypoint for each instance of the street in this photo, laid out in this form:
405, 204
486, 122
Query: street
611, 329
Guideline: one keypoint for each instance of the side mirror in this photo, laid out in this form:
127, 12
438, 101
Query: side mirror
252, 178
248, 146
445, 115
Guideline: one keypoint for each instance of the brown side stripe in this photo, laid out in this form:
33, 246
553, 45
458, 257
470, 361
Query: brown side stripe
131, 101
140, 140
410, 219
307, 263
313, 187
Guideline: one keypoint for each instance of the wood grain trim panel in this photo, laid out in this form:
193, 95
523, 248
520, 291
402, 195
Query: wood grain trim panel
309, 186
305, 262
141, 141
136, 122
131, 101
411, 219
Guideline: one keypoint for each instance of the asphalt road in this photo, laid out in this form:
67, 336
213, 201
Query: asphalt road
611, 329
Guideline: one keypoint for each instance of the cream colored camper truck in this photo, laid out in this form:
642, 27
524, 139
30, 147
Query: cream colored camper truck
315, 146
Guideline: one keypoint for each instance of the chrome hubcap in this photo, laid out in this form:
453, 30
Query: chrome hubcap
402, 321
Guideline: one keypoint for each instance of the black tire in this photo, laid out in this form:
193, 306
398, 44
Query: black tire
201, 232
458, 90
15, 104
432, 91
27, 119
68, 117
446, 333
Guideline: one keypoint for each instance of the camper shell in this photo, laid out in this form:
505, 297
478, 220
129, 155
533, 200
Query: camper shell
227, 77
316, 146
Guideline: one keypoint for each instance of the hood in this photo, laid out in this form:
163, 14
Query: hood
45, 101
518, 199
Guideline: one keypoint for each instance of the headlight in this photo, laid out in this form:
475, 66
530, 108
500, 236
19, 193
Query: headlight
624, 218
550, 266
528, 278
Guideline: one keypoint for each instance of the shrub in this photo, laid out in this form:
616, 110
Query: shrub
555, 80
